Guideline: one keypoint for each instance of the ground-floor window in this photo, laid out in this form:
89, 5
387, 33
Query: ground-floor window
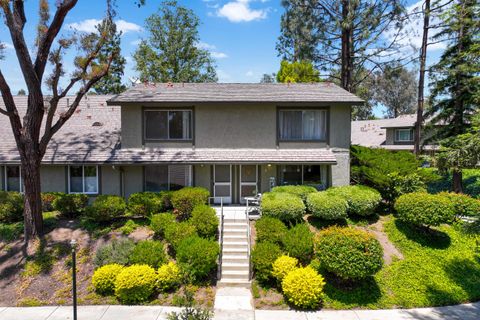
314, 175
83, 179
167, 177
13, 178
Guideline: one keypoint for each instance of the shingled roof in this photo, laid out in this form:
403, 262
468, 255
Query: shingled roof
323, 92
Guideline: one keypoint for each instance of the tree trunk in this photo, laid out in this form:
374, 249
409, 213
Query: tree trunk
457, 178
421, 78
33, 200
346, 55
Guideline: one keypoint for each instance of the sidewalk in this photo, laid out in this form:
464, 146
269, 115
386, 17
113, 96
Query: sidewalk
461, 312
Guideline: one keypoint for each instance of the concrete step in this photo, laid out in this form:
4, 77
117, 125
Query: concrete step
235, 225
235, 231
231, 220
229, 266
235, 252
235, 245
227, 282
235, 259
240, 275
227, 237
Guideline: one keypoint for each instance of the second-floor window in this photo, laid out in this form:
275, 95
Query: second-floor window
302, 125
168, 124
404, 135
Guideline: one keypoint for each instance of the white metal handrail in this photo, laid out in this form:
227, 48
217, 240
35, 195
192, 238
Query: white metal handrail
220, 235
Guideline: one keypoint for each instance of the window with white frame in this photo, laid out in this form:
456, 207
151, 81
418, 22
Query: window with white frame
404, 135
313, 175
302, 125
168, 124
13, 178
167, 177
83, 179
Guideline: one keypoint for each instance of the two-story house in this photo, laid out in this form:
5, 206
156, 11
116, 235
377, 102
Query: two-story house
234, 139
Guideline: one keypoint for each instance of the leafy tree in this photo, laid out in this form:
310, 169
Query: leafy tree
268, 78
396, 88
171, 53
21, 92
297, 72
112, 82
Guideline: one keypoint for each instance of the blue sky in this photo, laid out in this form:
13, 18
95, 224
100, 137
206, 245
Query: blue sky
241, 34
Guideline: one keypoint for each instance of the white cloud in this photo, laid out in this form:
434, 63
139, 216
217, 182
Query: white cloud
205, 46
136, 42
218, 55
212, 48
240, 11
250, 73
7, 45
88, 25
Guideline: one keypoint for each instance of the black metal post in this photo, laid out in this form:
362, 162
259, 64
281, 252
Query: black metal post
74, 278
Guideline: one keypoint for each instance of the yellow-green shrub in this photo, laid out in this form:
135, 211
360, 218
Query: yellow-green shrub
303, 287
168, 276
362, 200
463, 204
135, 284
282, 266
327, 206
283, 206
104, 278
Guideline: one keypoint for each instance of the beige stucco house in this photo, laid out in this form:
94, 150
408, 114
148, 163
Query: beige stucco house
233, 139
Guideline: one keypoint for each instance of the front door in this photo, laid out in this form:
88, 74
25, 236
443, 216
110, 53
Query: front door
222, 183
248, 181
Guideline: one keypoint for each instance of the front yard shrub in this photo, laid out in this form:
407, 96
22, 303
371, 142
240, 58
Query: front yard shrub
48, 198
135, 284
327, 206
263, 256
205, 219
197, 257
149, 252
104, 278
298, 242
175, 233
145, 204
283, 206
403, 184
270, 229
282, 266
168, 277
303, 287
70, 205
300, 191
463, 204
184, 200
106, 208
116, 251
361, 200
349, 253
423, 209
11, 206
160, 222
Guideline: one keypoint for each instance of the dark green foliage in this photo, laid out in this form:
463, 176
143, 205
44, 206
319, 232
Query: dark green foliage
70, 205
361, 200
327, 206
160, 222
205, 220
11, 206
175, 233
423, 209
298, 243
48, 198
106, 208
349, 253
263, 256
471, 182
463, 204
148, 252
116, 251
197, 257
284, 206
270, 229
301, 191
145, 204
184, 200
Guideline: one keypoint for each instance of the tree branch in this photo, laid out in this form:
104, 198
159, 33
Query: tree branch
11, 111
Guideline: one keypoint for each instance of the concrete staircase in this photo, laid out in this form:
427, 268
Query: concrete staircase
235, 258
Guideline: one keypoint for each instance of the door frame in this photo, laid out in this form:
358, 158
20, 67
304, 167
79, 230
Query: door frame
226, 200
241, 183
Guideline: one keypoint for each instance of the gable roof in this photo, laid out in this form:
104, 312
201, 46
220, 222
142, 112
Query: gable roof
235, 92
402, 121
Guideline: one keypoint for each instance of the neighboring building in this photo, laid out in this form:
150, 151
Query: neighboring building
233, 139
392, 134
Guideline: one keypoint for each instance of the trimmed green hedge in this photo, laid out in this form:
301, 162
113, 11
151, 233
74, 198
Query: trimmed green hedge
301, 191
70, 205
362, 200
263, 256
178, 231
197, 257
463, 204
106, 208
160, 222
298, 242
145, 204
205, 219
284, 206
327, 206
135, 284
184, 200
11, 206
270, 229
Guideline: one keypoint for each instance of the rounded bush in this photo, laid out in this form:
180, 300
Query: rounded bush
145, 204
135, 284
263, 256
48, 198
177, 232
270, 229
423, 209
70, 205
160, 222
168, 277
104, 278
197, 257
106, 208
282, 266
300, 191
298, 242
184, 200
148, 252
303, 287
349, 253
463, 204
327, 206
205, 219
283, 206
362, 200
11, 206
116, 251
